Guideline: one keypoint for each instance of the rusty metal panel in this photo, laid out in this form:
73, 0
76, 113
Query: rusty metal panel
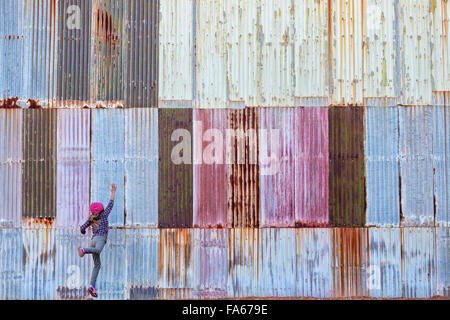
313, 265
107, 44
176, 45
73, 157
11, 267
416, 166
346, 179
210, 169
277, 148
74, 52
345, 50
175, 168
12, 49
440, 39
141, 166
142, 253
384, 263
38, 260
311, 53
112, 276
107, 160
243, 168
382, 166
40, 51
349, 262
418, 262
211, 263
243, 268
11, 167
380, 52
72, 273
443, 261
311, 167
141, 48
415, 20
39, 167
175, 263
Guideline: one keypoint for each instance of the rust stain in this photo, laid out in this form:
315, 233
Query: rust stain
34, 104
39, 222
9, 103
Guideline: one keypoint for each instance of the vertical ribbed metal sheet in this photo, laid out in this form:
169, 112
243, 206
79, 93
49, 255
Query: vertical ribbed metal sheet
243, 172
74, 52
175, 263
141, 48
72, 272
142, 254
10, 167
39, 167
349, 261
141, 166
442, 262
416, 166
210, 169
311, 167
384, 263
38, 259
276, 160
176, 46
418, 262
313, 265
40, 22
175, 180
112, 275
382, 166
346, 179
73, 166
11, 264
107, 160
311, 53
379, 51
415, 29
441, 41
211, 263
345, 50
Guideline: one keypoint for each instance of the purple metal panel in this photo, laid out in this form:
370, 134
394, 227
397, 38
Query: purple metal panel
73, 155
311, 167
276, 160
210, 170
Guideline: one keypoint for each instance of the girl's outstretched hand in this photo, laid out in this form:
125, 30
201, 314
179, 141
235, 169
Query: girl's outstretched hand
113, 191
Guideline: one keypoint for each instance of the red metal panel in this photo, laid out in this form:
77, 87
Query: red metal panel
311, 167
276, 159
210, 179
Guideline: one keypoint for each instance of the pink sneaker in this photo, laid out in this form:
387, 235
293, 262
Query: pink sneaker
81, 252
92, 291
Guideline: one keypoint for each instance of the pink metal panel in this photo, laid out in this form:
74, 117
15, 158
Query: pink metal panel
73, 167
276, 159
311, 167
210, 179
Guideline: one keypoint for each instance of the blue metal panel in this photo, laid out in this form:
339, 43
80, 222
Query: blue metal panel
313, 255
107, 160
382, 168
443, 261
141, 167
142, 263
384, 277
11, 267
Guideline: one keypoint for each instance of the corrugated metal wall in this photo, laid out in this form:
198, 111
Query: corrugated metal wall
312, 159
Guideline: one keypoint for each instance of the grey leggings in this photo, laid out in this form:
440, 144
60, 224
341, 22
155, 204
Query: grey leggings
96, 247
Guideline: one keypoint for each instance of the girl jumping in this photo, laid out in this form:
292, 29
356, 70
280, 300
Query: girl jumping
98, 220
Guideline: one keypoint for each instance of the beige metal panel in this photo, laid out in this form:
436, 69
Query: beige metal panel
415, 52
311, 50
176, 48
379, 51
346, 51
441, 42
